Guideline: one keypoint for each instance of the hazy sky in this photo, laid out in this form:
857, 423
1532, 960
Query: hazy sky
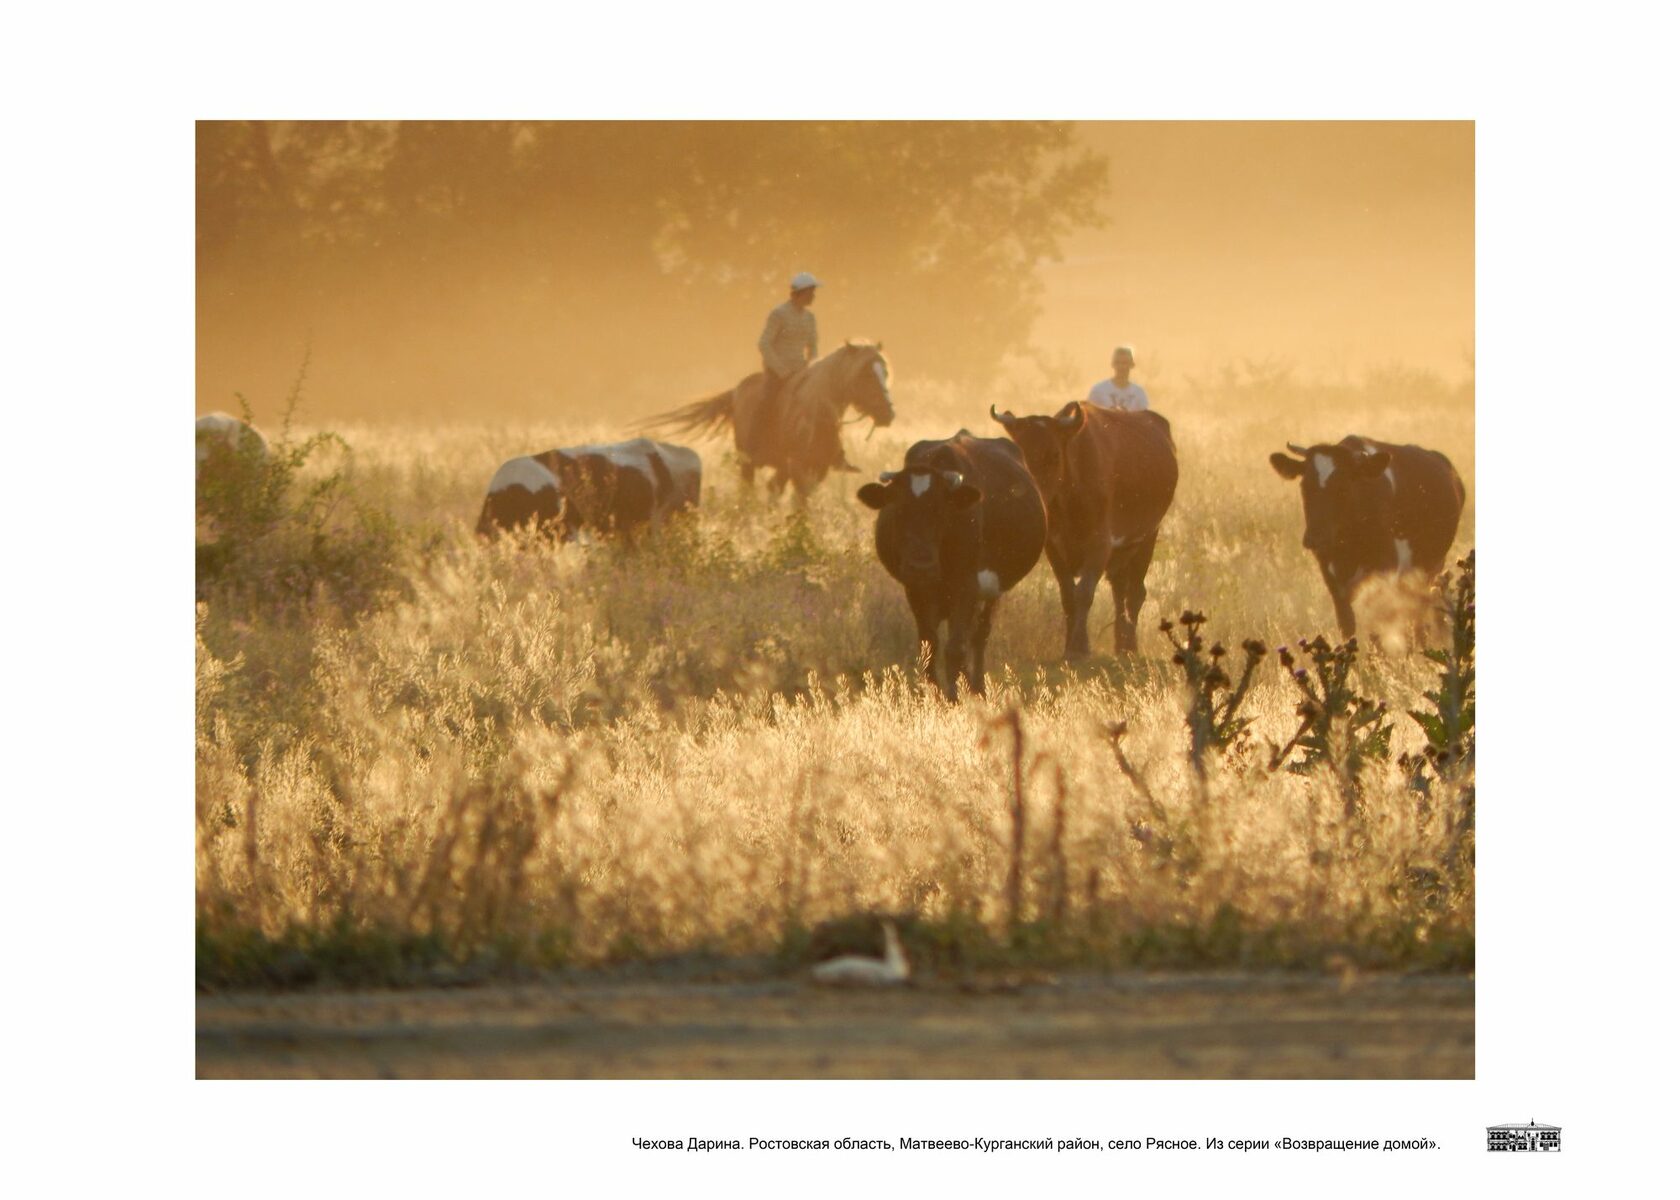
1331, 244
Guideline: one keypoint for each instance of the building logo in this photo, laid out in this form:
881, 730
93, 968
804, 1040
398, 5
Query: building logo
1524, 1137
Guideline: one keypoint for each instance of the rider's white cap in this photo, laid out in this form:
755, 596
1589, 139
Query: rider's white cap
804, 280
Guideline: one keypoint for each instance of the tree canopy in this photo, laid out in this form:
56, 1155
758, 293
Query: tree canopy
515, 255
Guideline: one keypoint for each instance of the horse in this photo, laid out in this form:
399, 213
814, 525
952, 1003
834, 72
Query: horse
798, 435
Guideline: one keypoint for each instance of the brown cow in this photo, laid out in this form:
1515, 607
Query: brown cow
1108, 479
1373, 508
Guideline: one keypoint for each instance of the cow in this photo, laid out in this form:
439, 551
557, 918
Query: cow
523, 491
220, 437
618, 488
1373, 508
1108, 479
959, 525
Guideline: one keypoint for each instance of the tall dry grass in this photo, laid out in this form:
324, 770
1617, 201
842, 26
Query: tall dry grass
530, 754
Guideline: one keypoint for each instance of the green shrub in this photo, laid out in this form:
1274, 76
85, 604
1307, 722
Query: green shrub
1445, 770
279, 527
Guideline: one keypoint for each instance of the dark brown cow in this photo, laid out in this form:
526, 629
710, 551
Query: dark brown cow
961, 524
1373, 508
621, 488
1108, 479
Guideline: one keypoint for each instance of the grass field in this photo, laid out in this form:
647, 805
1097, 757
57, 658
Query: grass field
417, 752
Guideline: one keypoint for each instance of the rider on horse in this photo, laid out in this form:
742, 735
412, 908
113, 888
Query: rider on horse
789, 340
787, 346
788, 416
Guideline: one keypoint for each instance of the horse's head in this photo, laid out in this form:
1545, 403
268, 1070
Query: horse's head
868, 377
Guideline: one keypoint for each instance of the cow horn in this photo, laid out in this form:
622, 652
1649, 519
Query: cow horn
1002, 418
954, 478
888, 476
1069, 414
1294, 449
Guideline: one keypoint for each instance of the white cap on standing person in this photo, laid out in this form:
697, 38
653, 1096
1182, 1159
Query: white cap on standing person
804, 280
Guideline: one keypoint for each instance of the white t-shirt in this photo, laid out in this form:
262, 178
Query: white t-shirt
1130, 398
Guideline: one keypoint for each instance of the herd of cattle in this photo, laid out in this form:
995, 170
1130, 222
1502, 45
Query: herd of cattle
966, 518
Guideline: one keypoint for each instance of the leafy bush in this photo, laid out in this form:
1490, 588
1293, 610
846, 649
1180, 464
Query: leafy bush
1445, 770
1451, 727
277, 527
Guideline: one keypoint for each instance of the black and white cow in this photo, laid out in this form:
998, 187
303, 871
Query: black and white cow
1373, 508
523, 491
618, 488
961, 524
220, 437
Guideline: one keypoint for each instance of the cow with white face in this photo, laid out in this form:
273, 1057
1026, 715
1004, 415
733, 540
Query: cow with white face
1373, 508
221, 438
958, 526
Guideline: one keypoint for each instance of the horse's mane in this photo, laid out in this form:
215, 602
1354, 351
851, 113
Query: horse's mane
817, 395
824, 374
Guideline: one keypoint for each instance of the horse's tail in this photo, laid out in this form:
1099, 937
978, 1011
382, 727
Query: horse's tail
704, 417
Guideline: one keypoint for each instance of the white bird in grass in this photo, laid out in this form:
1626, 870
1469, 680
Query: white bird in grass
859, 971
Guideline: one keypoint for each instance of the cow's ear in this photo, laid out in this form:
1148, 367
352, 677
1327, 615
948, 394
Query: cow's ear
1071, 419
874, 495
1373, 464
1289, 468
965, 496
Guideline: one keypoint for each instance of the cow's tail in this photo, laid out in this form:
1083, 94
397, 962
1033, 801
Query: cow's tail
704, 417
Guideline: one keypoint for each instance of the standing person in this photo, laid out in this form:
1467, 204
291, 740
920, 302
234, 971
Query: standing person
1120, 392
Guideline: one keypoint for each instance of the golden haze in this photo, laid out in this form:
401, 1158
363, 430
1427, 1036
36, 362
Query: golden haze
1330, 246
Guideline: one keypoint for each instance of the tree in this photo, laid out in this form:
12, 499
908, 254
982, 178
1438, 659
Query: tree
599, 251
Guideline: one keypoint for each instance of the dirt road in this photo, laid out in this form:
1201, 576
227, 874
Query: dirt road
1143, 1027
